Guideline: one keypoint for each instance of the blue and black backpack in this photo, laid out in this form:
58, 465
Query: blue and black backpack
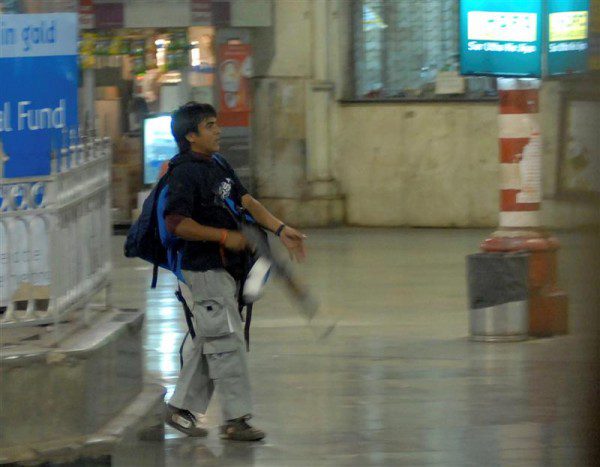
149, 239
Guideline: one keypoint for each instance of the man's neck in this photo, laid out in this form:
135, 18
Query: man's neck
199, 154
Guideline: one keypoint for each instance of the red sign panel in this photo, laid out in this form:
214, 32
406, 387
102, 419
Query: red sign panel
234, 70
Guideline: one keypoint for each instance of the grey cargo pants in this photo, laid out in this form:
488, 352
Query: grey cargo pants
218, 355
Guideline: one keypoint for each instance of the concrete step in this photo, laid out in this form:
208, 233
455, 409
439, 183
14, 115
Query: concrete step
80, 395
138, 430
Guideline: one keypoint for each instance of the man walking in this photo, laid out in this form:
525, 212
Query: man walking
212, 265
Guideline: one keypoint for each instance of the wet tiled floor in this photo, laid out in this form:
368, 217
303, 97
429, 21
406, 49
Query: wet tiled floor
398, 382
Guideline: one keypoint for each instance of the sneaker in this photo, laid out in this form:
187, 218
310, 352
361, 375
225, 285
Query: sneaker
239, 430
184, 421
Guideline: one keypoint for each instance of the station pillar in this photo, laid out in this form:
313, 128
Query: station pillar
520, 226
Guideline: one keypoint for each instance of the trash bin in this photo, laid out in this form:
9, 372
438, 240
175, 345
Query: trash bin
498, 293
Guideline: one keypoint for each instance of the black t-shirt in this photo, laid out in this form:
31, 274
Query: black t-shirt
197, 187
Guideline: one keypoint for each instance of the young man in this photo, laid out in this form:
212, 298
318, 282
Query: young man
212, 261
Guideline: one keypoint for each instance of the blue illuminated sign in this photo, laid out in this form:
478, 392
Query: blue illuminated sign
567, 38
38, 95
528, 38
158, 146
500, 37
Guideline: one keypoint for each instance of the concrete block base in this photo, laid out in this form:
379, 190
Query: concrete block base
548, 304
80, 398
549, 313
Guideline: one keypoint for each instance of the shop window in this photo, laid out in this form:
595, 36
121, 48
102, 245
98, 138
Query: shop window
407, 49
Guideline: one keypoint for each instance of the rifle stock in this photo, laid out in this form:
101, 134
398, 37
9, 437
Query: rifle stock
308, 305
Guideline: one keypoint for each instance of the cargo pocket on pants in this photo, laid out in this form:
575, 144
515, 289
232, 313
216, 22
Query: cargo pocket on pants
224, 358
211, 318
224, 365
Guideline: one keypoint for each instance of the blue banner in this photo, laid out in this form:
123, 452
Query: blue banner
501, 37
38, 95
568, 22
528, 38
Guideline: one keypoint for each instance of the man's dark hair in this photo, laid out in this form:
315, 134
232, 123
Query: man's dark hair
186, 120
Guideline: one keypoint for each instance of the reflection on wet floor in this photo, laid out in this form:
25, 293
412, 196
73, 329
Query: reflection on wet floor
398, 382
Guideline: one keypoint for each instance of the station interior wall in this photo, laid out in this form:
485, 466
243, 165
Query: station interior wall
396, 163
432, 164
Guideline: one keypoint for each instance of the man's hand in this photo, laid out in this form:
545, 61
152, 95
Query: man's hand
294, 242
290, 237
235, 241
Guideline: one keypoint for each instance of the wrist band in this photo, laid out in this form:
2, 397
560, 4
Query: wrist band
224, 235
279, 230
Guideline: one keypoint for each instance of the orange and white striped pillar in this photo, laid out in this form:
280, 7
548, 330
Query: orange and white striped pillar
520, 203
520, 153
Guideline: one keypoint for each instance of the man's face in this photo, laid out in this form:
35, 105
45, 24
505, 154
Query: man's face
207, 140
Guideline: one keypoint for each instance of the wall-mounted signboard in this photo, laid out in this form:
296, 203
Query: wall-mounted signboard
568, 22
528, 38
38, 92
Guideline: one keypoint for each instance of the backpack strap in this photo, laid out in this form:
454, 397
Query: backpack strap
154, 275
181, 348
218, 158
241, 305
160, 185
247, 326
247, 319
187, 312
154, 225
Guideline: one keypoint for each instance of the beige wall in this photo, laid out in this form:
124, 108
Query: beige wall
279, 138
397, 164
436, 165
279, 130
558, 213
418, 164
549, 120
292, 39
279, 133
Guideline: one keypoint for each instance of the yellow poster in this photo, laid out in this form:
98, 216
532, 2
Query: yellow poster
87, 46
568, 26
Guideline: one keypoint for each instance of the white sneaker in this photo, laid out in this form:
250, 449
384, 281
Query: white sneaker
184, 421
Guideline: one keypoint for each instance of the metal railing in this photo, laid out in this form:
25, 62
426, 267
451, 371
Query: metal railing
55, 236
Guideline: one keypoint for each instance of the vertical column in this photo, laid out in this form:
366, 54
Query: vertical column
88, 116
520, 203
520, 153
318, 93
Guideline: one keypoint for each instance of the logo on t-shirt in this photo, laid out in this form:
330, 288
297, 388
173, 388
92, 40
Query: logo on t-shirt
224, 190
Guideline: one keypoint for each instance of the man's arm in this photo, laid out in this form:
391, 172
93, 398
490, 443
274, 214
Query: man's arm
260, 213
290, 237
188, 229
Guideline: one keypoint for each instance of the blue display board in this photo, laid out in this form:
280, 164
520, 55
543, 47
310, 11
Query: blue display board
527, 38
568, 22
501, 37
38, 92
